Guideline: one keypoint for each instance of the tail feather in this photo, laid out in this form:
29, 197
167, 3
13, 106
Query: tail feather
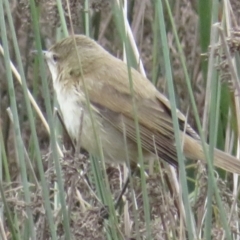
226, 161
193, 150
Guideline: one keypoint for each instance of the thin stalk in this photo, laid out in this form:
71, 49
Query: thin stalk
32, 126
53, 141
182, 172
188, 82
17, 131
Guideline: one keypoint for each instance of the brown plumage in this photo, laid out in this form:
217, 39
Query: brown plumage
107, 83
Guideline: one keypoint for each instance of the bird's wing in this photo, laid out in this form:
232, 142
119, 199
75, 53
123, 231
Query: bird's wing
109, 92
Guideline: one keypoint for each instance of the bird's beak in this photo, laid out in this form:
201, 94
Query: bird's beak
43, 52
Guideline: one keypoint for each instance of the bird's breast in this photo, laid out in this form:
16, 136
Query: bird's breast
77, 118
71, 110
78, 122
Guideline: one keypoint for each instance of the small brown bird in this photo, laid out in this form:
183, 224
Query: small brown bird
107, 83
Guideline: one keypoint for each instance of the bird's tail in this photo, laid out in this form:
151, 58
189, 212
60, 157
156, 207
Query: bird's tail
193, 150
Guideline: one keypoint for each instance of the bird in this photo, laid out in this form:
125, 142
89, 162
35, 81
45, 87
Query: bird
97, 104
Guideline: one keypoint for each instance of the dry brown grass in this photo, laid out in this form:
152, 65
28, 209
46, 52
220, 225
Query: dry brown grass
85, 221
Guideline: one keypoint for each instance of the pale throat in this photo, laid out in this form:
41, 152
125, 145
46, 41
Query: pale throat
53, 70
70, 108
68, 101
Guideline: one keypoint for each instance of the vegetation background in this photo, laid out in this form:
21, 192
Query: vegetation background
49, 192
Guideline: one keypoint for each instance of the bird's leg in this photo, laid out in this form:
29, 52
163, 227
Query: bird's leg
65, 130
104, 213
122, 192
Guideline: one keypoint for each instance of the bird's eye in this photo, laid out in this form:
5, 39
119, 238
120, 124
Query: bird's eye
55, 58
